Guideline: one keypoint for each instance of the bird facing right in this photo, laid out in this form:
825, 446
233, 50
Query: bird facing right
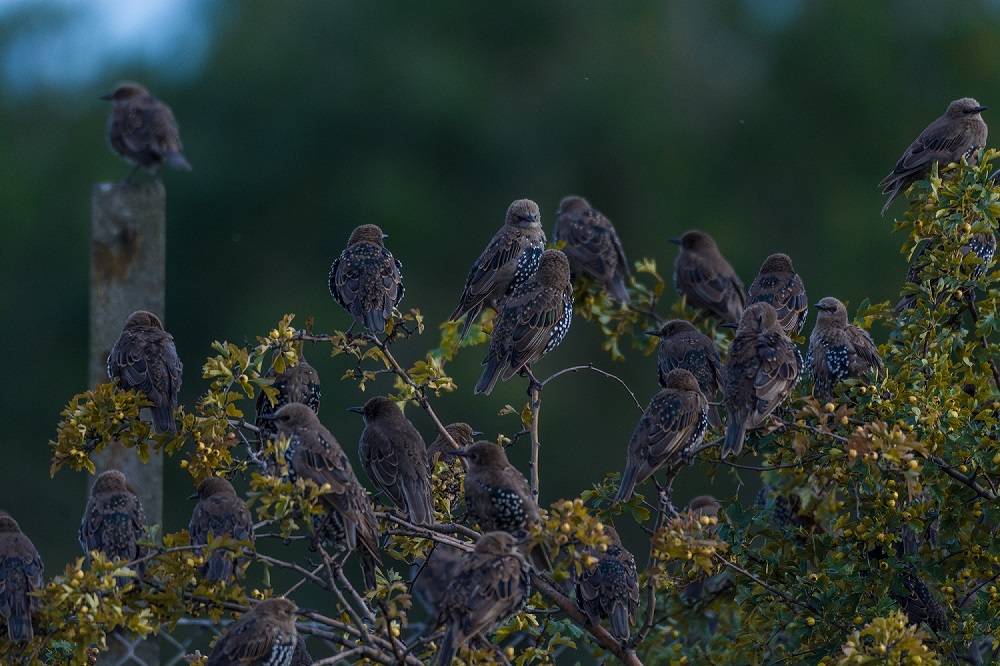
263, 636
113, 522
461, 433
682, 346
220, 512
142, 130
705, 278
592, 246
365, 279
777, 283
611, 588
838, 350
20, 575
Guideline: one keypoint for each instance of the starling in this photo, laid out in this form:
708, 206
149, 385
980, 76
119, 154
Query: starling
682, 346
365, 279
461, 433
263, 636
533, 321
142, 130
704, 505
394, 456
298, 383
313, 453
592, 246
506, 263
779, 284
762, 368
983, 245
144, 358
113, 522
838, 350
301, 656
20, 575
706, 279
611, 588
431, 579
959, 133
219, 512
491, 585
919, 603
675, 420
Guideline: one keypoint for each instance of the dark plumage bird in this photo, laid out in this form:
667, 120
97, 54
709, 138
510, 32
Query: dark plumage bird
20, 575
491, 585
113, 522
777, 283
144, 358
298, 383
533, 321
611, 588
219, 512
441, 448
705, 278
365, 279
959, 133
983, 245
506, 263
394, 456
682, 346
592, 246
838, 350
675, 420
919, 603
704, 505
142, 130
432, 579
762, 368
263, 636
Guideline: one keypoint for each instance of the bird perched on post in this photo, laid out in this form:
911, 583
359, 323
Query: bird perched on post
365, 279
219, 512
491, 585
777, 283
298, 383
611, 587
394, 456
431, 578
20, 575
959, 133
461, 433
506, 263
113, 522
145, 359
705, 278
675, 420
760, 371
142, 130
592, 246
533, 321
838, 350
682, 346
263, 636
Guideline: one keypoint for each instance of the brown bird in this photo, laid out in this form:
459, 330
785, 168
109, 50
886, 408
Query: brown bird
506, 263
431, 579
705, 278
533, 321
959, 133
919, 603
263, 636
142, 130
298, 383
219, 512
762, 368
611, 588
491, 585
144, 358
983, 245
675, 420
20, 575
394, 456
779, 284
365, 279
113, 522
592, 246
838, 350
461, 433
682, 346
704, 505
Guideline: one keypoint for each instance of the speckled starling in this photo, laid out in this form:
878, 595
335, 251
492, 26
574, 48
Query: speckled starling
263, 636
983, 245
142, 130
113, 522
219, 513
592, 246
919, 603
301, 656
675, 420
706, 279
762, 368
838, 350
777, 283
682, 346
533, 321
462, 434
506, 263
394, 456
959, 133
611, 588
144, 358
365, 279
20, 575
298, 383
431, 580
491, 585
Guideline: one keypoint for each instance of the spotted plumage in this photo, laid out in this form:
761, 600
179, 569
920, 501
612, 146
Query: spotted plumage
838, 350
142, 129
778, 284
610, 589
705, 278
263, 636
20, 575
983, 245
592, 246
365, 279
919, 604
682, 346
220, 512
297, 383
113, 521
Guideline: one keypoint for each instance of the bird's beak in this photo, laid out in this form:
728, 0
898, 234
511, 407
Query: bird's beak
730, 324
476, 433
384, 235
107, 98
980, 109
650, 332
524, 540
193, 495
356, 410
267, 417
675, 241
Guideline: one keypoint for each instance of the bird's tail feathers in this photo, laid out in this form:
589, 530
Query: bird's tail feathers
627, 486
617, 289
618, 618
490, 375
446, 653
736, 432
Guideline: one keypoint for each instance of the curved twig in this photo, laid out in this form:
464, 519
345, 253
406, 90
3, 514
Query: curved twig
591, 366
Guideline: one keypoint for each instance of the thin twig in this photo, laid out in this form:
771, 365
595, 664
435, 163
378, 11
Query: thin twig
535, 390
647, 624
721, 461
438, 532
962, 478
590, 366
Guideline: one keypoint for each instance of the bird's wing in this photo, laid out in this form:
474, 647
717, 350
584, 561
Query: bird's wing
776, 373
668, 426
937, 143
493, 269
381, 461
589, 242
865, 348
535, 317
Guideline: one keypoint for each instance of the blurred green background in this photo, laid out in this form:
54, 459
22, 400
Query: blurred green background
767, 124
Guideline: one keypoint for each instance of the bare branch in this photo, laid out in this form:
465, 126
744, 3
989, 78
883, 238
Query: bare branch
590, 366
962, 478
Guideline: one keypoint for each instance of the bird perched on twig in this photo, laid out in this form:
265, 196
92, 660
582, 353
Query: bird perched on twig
145, 359
20, 575
838, 350
365, 279
610, 589
263, 636
219, 512
432, 577
592, 246
507, 262
983, 245
705, 278
777, 283
113, 522
461, 433
682, 346
959, 133
142, 130
297, 383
